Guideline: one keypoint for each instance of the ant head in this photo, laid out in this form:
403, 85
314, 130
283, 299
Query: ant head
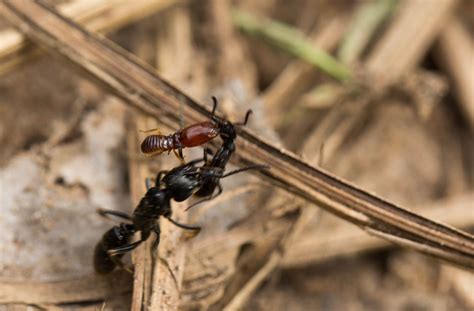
157, 196
126, 230
226, 128
122, 232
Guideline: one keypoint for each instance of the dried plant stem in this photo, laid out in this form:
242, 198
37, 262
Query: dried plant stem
138, 171
367, 20
166, 286
292, 41
140, 86
414, 28
454, 50
239, 301
95, 15
70, 291
317, 245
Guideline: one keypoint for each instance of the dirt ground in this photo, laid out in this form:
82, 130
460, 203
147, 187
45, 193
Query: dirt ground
66, 152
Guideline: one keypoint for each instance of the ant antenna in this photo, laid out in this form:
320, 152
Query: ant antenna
214, 100
247, 115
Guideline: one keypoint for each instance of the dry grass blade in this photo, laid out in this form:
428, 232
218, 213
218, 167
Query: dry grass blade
454, 50
320, 245
422, 20
141, 87
95, 15
66, 291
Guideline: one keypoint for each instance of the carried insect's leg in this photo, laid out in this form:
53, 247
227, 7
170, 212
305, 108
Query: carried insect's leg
184, 226
124, 249
179, 155
155, 130
105, 212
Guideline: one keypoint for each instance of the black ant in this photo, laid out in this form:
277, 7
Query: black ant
183, 181
179, 184
191, 136
219, 161
154, 204
117, 236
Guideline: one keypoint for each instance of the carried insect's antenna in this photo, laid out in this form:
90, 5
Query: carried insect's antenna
214, 101
247, 115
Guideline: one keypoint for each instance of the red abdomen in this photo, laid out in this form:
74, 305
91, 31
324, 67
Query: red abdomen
198, 134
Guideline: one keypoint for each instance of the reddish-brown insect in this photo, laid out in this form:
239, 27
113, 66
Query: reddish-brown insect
191, 136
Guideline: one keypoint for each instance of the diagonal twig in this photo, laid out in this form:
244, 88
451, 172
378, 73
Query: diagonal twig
141, 87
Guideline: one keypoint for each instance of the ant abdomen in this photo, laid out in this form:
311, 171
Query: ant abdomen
117, 236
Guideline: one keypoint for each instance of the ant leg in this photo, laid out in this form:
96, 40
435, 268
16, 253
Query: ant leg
184, 226
124, 249
250, 167
208, 198
206, 151
195, 161
105, 212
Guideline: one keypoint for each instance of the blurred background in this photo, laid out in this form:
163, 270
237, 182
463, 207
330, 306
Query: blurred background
380, 93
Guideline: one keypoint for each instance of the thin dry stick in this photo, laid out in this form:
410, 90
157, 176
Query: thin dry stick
141, 87
319, 245
138, 171
95, 15
239, 301
367, 20
69, 291
166, 286
455, 51
407, 39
